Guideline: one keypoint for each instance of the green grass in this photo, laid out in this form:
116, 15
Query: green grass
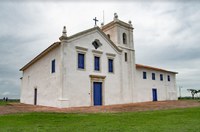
188, 98
2, 103
178, 120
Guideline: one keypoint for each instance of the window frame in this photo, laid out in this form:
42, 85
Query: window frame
53, 66
97, 53
108, 35
81, 50
97, 70
83, 60
109, 65
161, 77
144, 75
153, 76
112, 57
124, 38
168, 78
125, 57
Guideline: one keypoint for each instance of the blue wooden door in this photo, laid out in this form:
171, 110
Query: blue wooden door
97, 93
154, 94
35, 96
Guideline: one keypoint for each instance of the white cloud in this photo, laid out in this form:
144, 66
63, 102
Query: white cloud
6, 93
166, 33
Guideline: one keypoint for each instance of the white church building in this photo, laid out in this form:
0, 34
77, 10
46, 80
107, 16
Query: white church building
94, 67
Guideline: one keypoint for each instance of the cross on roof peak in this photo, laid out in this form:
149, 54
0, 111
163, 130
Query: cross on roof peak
95, 20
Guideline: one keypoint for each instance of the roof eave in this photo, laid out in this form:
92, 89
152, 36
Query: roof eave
154, 68
92, 29
40, 55
117, 22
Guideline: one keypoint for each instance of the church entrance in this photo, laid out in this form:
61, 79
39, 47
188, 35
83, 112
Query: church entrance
97, 90
35, 96
97, 93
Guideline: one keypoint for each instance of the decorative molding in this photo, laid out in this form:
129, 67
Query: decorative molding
110, 54
126, 48
81, 48
116, 23
97, 52
96, 43
97, 76
63, 99
100, 31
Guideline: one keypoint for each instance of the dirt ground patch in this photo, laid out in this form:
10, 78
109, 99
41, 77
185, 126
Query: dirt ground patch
147, 106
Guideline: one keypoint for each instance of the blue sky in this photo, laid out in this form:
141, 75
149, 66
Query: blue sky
166, 34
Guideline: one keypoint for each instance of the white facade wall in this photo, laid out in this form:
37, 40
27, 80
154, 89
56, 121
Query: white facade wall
78, 85
39, 76
166, 90
72, 87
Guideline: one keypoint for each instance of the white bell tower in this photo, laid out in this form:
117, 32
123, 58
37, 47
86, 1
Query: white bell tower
121, 33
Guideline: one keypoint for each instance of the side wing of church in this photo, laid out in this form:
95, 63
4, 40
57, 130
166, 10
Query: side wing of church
94, 67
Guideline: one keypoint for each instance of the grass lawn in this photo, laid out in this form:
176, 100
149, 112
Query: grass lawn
178, 120
2, 103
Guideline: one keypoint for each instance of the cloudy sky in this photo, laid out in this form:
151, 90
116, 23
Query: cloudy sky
166, 34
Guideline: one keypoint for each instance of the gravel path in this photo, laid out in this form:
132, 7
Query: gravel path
147, 106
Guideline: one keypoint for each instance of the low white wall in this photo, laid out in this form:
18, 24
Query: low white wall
39, 76
166, 90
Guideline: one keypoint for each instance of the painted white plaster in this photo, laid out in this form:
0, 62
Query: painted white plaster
166, 90
72, 87
39, 76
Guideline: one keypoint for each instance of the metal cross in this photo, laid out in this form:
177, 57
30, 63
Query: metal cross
95, 19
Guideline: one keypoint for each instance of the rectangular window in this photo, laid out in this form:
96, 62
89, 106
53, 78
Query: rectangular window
81, 61
96, 63
53, 66
125, 55
153, 76
144, 75
161, 77
110, 65
168, 78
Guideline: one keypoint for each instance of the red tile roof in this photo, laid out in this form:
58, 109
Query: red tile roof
154, 68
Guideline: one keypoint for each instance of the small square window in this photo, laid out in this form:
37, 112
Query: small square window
144, 75
53, 66
96, 63
168, 78
81, 60
161, 77
110, 65
153, 76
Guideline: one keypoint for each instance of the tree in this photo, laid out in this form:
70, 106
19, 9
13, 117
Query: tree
193, 92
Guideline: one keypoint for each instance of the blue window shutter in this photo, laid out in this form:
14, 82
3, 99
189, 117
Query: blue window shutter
96, 63
110, 65
81, 61
53, 66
